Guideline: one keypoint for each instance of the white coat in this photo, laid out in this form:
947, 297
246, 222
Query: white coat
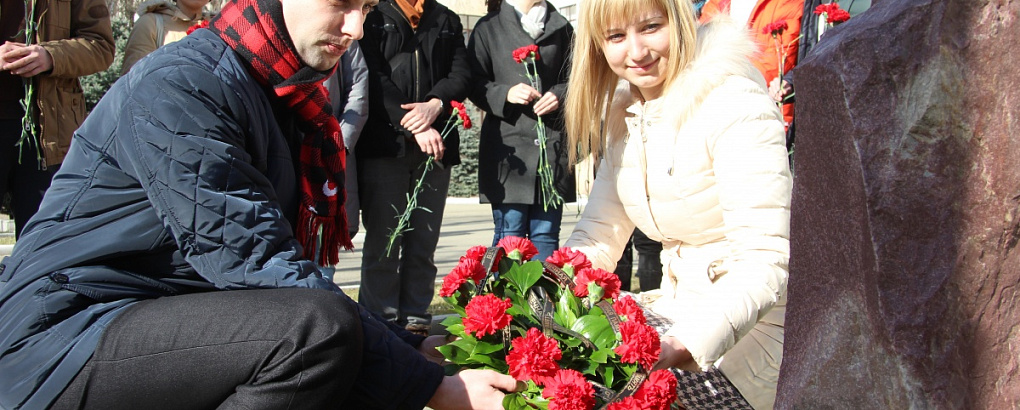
704, 170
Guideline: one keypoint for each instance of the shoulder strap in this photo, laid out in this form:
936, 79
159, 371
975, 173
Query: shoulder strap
160, 33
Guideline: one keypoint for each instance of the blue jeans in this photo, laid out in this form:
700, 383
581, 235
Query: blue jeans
399, 286
529, 221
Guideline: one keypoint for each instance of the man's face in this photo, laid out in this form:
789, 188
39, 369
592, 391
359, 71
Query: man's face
322, 30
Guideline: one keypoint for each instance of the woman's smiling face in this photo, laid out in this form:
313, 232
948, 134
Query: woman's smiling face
637, 49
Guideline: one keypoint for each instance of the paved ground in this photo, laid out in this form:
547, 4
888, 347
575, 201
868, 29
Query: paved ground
466, 223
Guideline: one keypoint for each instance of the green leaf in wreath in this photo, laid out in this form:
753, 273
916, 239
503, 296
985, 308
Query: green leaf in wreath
514, 401
566, 309
496, 364
591, 326
486, 348
455, 353
523, 277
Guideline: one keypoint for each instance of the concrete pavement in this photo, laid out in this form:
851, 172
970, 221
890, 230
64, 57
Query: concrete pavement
466, 223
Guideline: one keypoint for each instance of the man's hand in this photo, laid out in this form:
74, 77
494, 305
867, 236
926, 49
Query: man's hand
431, 143
420, 116
522, 94
26, 61
547, 104
472, 389
428, 347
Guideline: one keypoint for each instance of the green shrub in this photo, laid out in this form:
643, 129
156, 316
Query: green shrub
464, 177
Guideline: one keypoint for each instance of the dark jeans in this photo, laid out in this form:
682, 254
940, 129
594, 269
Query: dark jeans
23, 178
399, 286
250, 349
540, 226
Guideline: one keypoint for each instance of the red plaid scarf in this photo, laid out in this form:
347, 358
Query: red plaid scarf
255, 30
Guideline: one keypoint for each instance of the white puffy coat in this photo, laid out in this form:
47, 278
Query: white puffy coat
704, 170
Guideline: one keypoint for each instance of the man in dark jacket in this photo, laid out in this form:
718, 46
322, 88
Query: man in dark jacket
162, 269
417, 64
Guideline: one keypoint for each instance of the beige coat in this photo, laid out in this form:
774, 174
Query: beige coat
704, 170
159, 22
78, 36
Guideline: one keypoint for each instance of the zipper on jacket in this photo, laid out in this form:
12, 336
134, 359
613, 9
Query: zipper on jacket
417, 75
417, 63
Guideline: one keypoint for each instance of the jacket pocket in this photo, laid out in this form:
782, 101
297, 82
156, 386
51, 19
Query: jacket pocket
58, 20
107, 284
71, 106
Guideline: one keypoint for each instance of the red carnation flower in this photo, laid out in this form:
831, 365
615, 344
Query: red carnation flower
466, 269
475, 252
824, 8
568, 390
518, 248
607, 281
462, 113
627, 307
486, 314
451, 283
626, 403
533, 357
640, 344
837, 15
523, 53
564, 257
775, 28
202, 24
832, 12
658, 392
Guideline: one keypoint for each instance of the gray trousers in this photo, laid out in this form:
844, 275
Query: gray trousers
239, 349
399, 286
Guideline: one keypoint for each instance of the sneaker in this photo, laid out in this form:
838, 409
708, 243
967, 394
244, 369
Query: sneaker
418, 329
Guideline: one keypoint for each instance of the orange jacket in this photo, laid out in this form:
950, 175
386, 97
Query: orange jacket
766, 12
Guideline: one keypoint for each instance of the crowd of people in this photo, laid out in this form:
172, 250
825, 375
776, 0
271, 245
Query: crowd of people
241, 148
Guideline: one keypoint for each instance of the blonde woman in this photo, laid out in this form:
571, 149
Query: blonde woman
161, 22
692, 152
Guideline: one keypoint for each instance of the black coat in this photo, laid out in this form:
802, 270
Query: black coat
409, 66
508, 148
180, 181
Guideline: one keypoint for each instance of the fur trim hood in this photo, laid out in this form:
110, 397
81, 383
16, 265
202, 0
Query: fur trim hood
169, 8
723, 51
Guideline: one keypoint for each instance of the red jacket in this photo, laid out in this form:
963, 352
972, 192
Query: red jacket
766, 12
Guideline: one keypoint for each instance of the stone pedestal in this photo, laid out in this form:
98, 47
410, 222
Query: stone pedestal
905, 276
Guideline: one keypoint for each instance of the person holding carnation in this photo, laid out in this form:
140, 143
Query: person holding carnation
525, 203
692, 152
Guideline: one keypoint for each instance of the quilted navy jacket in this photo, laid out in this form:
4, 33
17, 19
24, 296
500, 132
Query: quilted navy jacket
180, 181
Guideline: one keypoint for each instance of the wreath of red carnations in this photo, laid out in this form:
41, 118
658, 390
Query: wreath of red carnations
559, 326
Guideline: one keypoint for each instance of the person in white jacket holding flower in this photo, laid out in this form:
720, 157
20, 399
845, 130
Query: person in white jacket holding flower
692, 152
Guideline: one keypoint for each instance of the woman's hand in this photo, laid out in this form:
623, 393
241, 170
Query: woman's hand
472, 390
547, 104
674, 354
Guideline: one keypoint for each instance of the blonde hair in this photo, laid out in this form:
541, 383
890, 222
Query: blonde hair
592, 81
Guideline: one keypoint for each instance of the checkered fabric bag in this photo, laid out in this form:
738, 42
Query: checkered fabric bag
708, 390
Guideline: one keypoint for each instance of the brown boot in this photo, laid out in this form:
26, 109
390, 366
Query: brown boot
418, 329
